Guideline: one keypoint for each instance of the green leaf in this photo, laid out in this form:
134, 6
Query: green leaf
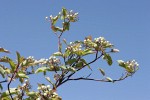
5, 98
4, 50
1, 87
88, 51
2, 72
56, 98
102, 71
71, 61
86, 64
67, 53
66, 25
64, 12
41, 69
72, 69
109, 79
8, 60
108, 58
63, 67
21, 80
19, 58
57, 54
22, 75
122, 63
54, 20
32, 94
79, 65
6, 93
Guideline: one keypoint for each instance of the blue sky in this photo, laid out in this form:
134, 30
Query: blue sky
124, 23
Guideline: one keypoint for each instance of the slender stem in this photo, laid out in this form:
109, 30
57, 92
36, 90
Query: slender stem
102, 80
13, 75
3, 81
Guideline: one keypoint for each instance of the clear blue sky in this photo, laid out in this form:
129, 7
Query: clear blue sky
126, 23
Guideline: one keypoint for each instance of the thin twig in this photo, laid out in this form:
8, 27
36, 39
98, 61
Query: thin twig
13, 75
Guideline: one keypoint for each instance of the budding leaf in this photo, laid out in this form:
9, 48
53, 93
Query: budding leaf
22, 75
66, 25
31, 94
1, 87
64, 12
109, 79
6, 93
4, 50
122, 63
20, 59
57, 54
2, 72
41, 69
8, 60
108, 58
72, 69
86, 63
102, 71
63, 67
87, 51
71, 61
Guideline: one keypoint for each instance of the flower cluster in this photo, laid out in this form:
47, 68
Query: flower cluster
102, 42
46, 92
30, 59
132, 66
99, 44
72, 16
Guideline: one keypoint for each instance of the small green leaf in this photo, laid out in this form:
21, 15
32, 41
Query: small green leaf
8, 60
122, 63
71, 61
56, 98
2, 72
86, 64
21, 80
1, 87
54, 20
41, 69
64, 12
109, 79
57, 54
19, 58
102, 71
108, 58
63, 67
72, 69
32, 94
88, 51
6, 93
66, 25
4, 50
22, 75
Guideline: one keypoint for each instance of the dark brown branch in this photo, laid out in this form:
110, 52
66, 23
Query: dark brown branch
3, 81
67, 78
101, 80
13, 75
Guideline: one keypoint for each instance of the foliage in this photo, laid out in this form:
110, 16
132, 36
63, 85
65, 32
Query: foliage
64, 63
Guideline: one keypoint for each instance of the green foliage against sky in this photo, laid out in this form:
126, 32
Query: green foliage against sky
63, 64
